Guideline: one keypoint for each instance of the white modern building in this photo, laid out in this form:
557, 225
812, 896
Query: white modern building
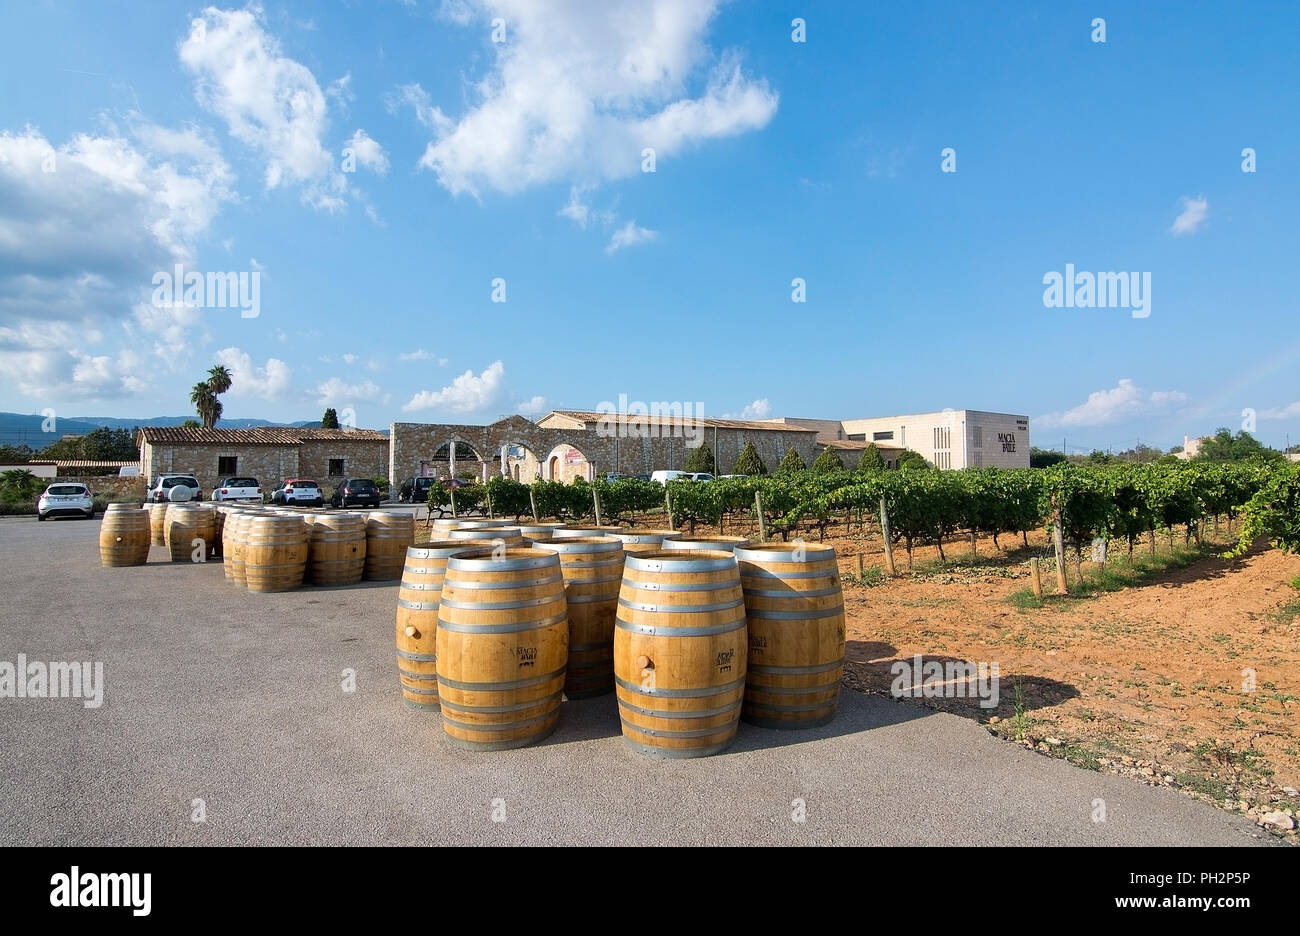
950, 438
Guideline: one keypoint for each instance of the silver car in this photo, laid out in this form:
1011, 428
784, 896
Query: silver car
66, 499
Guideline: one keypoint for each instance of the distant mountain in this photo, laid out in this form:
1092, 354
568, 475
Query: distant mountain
25, 428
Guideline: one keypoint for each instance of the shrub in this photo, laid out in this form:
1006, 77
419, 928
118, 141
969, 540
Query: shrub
749, 463
701, 459
871, 459
791, 462
828, 460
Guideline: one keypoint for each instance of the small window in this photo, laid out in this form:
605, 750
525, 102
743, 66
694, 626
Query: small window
227, 464
336, 467
882, 436
979, 436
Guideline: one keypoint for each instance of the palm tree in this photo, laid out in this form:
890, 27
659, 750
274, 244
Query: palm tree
206, 403
219, 379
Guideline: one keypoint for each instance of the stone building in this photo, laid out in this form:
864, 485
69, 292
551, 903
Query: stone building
270, 454
951, 438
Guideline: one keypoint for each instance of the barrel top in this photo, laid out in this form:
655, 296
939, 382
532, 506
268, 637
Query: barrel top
644, 536
728, 543
784, 552
390, 516
512, 558
439, 548
681, 560
568, 532
577, 543
482, 532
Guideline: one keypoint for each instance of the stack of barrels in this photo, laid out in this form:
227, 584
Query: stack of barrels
190, 531
388, 535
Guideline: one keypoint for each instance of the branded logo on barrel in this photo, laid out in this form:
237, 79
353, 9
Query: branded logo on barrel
78, 889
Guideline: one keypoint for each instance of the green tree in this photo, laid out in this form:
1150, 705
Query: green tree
701, 459
1223, 446
910, 459
1044, 458
190, 424
15, 454
749, 462
330, 420
205, 394
828, 460
18, 484
871, 459
219, 379
792, 462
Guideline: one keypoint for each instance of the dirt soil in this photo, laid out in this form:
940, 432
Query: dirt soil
1152, 680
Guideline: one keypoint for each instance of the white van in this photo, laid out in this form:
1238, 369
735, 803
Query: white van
663, 477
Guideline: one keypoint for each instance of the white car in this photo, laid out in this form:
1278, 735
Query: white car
69, 498
236, 488
663, 477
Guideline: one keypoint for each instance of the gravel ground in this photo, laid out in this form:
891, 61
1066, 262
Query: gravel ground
213, 694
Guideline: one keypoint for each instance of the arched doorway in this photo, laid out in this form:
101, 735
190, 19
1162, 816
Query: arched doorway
566, 462
518, 461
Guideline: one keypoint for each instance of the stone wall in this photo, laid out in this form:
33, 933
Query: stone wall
361, 459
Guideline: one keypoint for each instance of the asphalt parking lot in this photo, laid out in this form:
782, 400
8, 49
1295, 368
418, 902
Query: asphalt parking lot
231, 708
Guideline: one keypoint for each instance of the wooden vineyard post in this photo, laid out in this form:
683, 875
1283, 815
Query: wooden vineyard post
1058, 543
1035, 577
762, 523
532, 502
974, 550
488, 494
595, 500
668, 506
886, 536
857, 562
452, 492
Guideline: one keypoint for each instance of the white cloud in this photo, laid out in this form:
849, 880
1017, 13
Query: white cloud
415, 97
629, 235
246, 379
465, 394
579, 90
83, 228
420, 355
1123, 402
532, 407
759, 409
443, 362
269, 102
455, 11
335, 392
340, 91
1291, 411
1196, 211
370, 155
252, 262
350, 358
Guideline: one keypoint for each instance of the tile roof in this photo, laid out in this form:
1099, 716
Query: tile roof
750, 424
71, 463
858, 445
261, 435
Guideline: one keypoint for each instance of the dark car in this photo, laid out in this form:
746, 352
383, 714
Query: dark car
415, 490
360, 491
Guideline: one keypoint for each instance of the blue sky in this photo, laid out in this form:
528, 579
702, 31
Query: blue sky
132, 139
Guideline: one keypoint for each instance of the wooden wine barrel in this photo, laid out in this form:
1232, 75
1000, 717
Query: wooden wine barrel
445, 524
530, 530
157, 524
417, 620
232, 545
187, 523
592, 567
795, 609
502, 644
571, 530
479, 524
486, 536
639, 541
388, 535
274, 553
124, 536
725, 543
336, 552
679, 652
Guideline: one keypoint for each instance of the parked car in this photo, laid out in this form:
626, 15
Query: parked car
702, 476
236, 488
66, 499
641, 477
299, 491
663, 477
163, 484
455, 483
612, 476
415, 490
359, 491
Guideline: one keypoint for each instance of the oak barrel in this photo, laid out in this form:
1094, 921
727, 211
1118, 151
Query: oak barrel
274, 552
639, 541
795, 609
388, 534
157, 524
592, 567
725, 543
568, 530
540, 529
124, 536
417, 619
336, 551
502, 644
679, 652
184, 524
487, 536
